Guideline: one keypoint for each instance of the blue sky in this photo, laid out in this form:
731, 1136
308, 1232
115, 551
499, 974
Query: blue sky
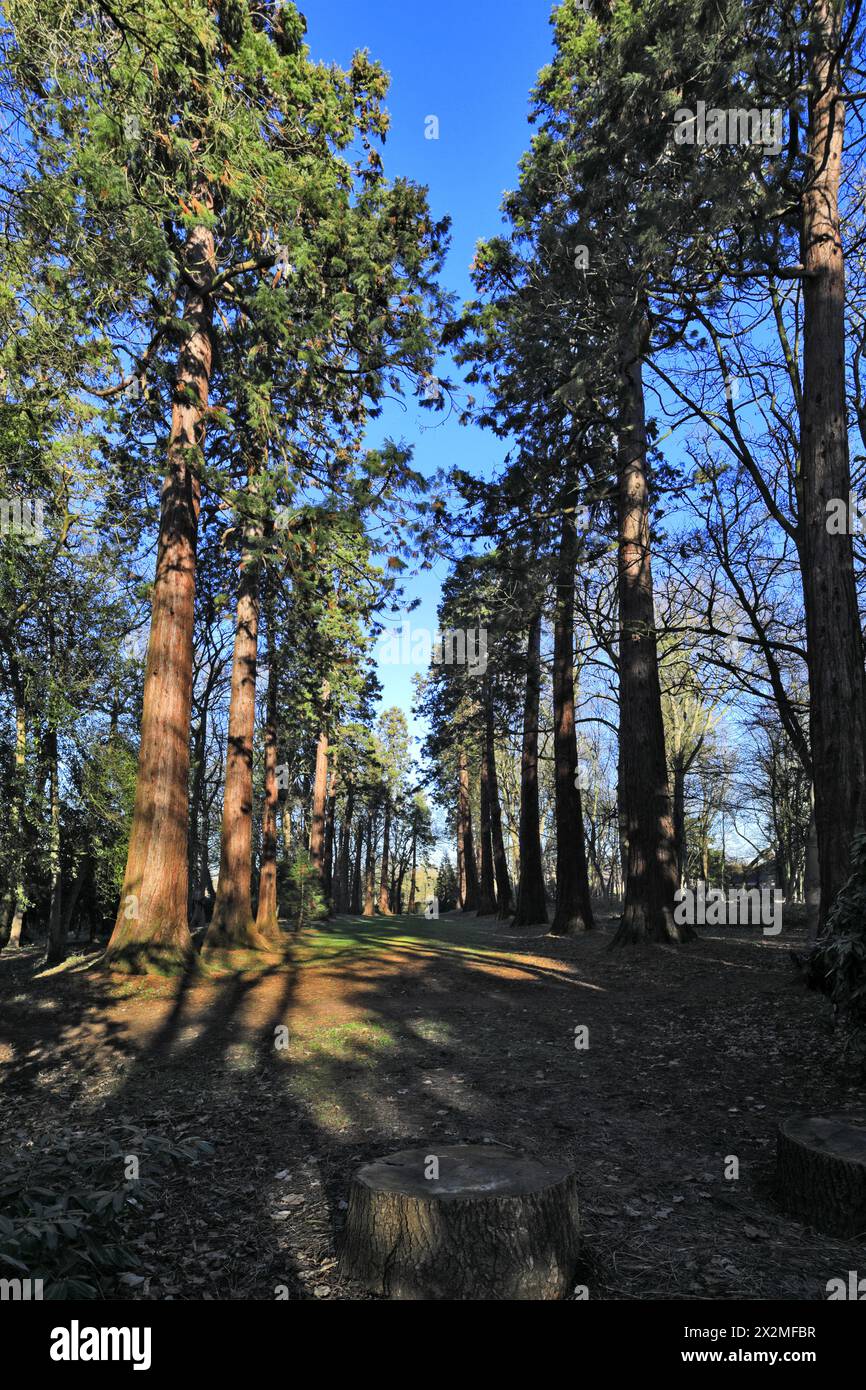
471, 65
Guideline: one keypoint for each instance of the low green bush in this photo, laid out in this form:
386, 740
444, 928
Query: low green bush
65, 1207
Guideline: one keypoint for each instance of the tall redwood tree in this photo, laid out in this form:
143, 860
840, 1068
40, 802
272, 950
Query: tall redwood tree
151, 931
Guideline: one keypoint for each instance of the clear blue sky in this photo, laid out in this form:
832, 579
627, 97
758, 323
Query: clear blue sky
472, 65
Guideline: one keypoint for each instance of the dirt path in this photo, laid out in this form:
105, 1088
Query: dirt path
385, 1035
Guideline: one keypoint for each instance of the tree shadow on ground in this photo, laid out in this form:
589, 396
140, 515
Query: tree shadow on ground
372, 1037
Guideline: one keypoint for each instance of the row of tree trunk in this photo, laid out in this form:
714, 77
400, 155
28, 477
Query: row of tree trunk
151, 926
837, 684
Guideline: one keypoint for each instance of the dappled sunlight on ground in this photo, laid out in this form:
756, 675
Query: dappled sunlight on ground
375, 1035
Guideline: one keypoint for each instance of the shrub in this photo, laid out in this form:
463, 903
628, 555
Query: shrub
65, 1207
304, 900
836, 963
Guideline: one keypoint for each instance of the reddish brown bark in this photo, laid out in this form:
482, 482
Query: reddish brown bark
151, 931
320, 791
370, 869
384, 891
232, 925
486, 878
837, 704
573, 905
410, 906
504, 902
357, 871
56, 921
531, 906
267, 915
328, 855
341, 894
466, 840
18, 893
651, 879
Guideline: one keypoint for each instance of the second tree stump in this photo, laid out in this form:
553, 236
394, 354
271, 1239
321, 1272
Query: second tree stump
821, 1171
474, 1221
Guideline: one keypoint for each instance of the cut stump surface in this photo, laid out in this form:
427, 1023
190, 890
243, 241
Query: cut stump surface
821, 1171
473, 1221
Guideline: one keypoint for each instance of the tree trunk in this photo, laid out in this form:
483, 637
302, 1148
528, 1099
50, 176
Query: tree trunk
531, 906
286, 824
573, 905
504, 899
56, 921
461, 858
151, 931
680, 817
267, 914
342, 891
370, 869
651, 881
232, 926
837, 690
812, 880
486, 1223
320, 792
782, 875
410, 906
196, 811
470, 867
358, 871
70, 899
487, 881
821, 1172
384, 894
19, 895
328, 854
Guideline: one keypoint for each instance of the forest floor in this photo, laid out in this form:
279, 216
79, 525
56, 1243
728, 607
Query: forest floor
381, 1035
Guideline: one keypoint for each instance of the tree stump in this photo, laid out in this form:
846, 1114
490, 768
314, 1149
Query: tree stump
474, 1221
821, 1171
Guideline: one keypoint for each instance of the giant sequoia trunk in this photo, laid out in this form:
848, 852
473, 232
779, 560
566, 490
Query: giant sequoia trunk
341, 891
328, 857
384, 893
837, 692
18, 894
466, 839
651, 875
573, 905
267, 913
397, 890
486, 882
531, 906
504, 901
196, 810
370, 869
232, 926
151, 931
56, 920
357, 871
320, 792
198, 839
410, 906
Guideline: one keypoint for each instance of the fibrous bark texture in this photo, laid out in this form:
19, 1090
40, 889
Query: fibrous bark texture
821, 1171
474, 1221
